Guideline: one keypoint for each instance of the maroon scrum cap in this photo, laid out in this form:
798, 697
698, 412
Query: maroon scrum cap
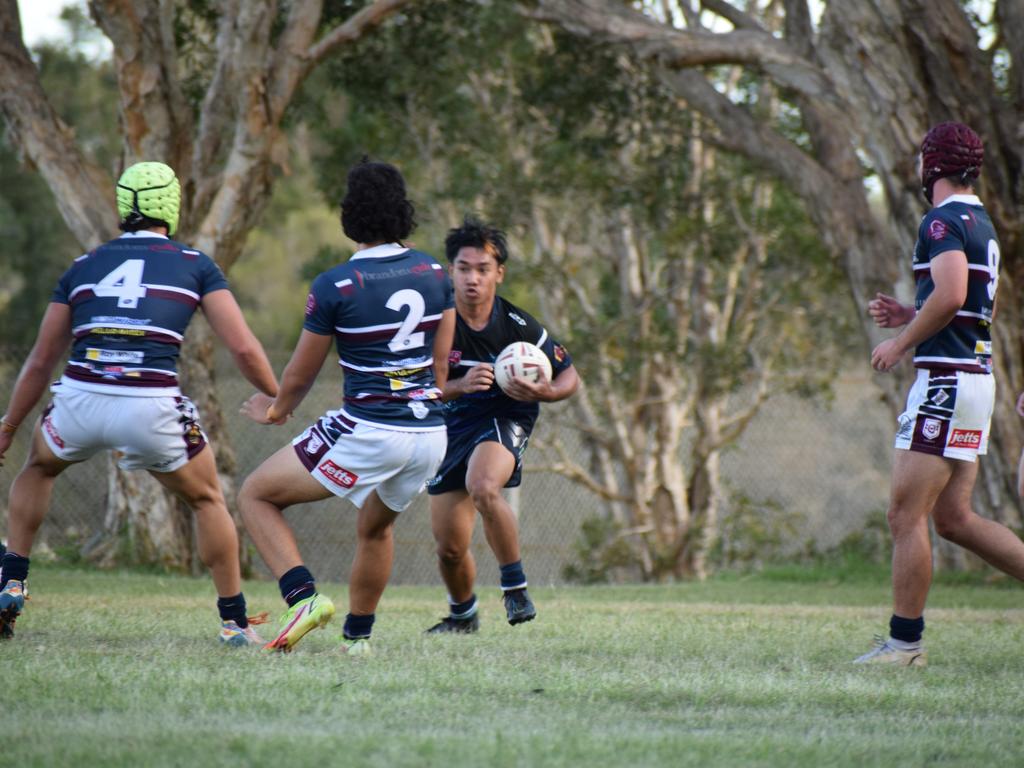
950, 149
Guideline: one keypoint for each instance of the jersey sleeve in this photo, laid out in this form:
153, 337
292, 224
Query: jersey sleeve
211, 278
62, 291
448, 293
943, 231
321, 306
537, 334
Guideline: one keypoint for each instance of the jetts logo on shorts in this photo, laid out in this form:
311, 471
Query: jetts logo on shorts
931, 428
52, 431
965, 438
338, 475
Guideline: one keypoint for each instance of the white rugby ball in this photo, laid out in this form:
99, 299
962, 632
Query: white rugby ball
521, 360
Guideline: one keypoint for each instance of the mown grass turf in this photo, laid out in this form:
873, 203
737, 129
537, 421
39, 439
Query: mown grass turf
123, 669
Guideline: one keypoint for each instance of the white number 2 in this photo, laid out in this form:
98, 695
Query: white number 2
125, 283
993, 268
405, 338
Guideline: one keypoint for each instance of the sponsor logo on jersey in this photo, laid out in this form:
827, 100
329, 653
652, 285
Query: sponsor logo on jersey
117, 331
419, 410
120, 320
310, 304
114, 356
424, 394
938, 230
338, 475
965, 438
982, 347
397, 385
931, 428
52, 431
517, 318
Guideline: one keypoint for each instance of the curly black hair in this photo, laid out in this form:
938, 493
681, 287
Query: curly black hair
475, 234
375, 208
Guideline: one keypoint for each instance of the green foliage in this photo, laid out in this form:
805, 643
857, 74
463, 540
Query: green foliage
602, 553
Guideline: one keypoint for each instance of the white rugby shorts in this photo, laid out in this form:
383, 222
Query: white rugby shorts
351, 459
948, 414
160, 434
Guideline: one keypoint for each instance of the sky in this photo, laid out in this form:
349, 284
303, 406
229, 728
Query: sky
40, 19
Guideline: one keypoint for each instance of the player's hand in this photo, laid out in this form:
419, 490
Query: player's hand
256, 409
6, 438
886, 355
1020, 406
528, 391
887, 312
479, 379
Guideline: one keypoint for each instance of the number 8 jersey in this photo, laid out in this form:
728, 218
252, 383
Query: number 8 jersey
383, 307
131, 300
959, 223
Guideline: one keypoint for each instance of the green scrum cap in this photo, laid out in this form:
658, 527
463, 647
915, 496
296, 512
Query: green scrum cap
151, 190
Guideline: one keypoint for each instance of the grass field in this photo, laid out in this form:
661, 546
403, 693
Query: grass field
116, 669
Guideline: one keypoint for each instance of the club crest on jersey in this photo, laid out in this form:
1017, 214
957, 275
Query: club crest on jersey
938, 230
419, 410
965, 438
455, 357
310, 304
517, 318
931, 428
338, 475
559, 353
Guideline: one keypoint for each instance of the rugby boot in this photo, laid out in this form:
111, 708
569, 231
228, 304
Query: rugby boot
518, 606
451, 625
236, 637
356, 646
300, 619
12, 600
885, 652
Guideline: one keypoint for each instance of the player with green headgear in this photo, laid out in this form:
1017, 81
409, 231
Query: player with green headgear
124, 307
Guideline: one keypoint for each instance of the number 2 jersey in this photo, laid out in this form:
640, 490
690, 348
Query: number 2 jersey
959, 223
383, 307
131, 300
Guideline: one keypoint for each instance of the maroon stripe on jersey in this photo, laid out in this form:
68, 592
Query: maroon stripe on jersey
120, 379
181, 298
378, 399
973, 275
965, 367
966, 320
82, 295
387, 333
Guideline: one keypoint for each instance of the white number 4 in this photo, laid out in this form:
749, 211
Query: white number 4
125, 283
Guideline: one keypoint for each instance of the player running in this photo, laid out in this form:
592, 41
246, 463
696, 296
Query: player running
488, 428
125, 306
946, 424
389, 311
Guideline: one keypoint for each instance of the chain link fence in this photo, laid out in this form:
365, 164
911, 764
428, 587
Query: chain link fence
819, 471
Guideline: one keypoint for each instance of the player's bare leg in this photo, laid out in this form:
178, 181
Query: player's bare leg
956, 521
375, 551
28, 503
489, 468
277, 483
452, 518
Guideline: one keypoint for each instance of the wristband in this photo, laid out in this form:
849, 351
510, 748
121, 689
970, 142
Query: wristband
7, 427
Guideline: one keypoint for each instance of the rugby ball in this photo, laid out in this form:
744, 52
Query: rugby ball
521, 360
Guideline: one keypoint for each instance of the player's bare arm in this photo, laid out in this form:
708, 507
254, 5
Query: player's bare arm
889, 312
564, 385
296, 381
228, 322
37, 372
949, 273
443, 347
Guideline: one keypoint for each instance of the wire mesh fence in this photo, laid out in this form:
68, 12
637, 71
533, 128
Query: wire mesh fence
818, 471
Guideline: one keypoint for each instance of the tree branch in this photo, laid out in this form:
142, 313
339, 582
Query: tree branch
354, 28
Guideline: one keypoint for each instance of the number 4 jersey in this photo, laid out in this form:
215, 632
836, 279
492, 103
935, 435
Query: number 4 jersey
131, 300
383, 307
959, 223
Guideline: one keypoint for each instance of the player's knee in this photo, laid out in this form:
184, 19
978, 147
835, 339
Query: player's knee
902, 519
951, 524
485, 494
450, 553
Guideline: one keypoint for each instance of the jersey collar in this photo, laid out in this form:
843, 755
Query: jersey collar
143, 233
965, 199
380, 251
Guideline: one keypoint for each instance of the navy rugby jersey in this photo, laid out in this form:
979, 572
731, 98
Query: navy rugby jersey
508, 324
131, 300
959, 223
383, 307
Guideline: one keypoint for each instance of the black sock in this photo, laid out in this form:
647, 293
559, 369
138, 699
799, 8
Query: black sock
906, 630
233, 609
357, 627
13, 567
513, 576
297, 584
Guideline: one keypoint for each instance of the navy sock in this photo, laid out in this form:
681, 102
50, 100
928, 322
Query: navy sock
233, 609
297, 584
907, 630
463, 610
513, 576
358, 626
13, 566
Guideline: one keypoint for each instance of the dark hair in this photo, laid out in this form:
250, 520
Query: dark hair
375, 208
475, 234
136, 222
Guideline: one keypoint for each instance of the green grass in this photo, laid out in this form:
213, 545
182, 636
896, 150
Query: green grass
123, 669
